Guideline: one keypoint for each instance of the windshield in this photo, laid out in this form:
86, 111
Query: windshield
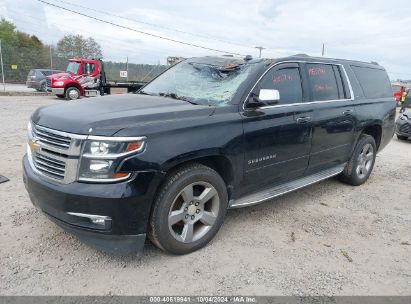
200, 83
73, 67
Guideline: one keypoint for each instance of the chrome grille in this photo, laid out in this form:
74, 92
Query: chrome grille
49, 166
406, 128
47, 137
54, 154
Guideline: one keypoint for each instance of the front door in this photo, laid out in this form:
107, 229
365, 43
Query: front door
277, 142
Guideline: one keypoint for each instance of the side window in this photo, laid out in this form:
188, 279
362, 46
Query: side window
322, 82
374, 82
88, 68
287, 81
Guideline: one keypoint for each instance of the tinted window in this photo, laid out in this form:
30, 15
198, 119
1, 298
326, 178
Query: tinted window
374, 82
323, 83
287, 81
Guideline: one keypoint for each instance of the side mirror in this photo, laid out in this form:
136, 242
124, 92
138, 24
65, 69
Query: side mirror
265, 97
269, 96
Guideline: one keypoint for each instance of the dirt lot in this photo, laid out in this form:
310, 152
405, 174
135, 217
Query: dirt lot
346, 240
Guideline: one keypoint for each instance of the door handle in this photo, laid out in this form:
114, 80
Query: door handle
302, 120
348, 112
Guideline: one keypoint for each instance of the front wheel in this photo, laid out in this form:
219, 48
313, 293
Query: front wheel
189, 209
361, 163
72, 93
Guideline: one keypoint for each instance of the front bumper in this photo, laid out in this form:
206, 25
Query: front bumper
403, 127
57, 91
126, 204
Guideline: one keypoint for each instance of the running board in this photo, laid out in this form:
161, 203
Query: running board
270, 193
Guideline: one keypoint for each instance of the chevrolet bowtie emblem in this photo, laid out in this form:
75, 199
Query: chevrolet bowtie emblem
33, 146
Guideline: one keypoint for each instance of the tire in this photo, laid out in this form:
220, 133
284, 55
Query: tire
400, 137
181, 222
361, 163
43, 87
72, 93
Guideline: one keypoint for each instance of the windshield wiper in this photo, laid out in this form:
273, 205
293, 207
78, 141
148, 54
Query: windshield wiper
145, 93
175, 96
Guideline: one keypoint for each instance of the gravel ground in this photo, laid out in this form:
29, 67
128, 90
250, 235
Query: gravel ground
326, 239
15, 87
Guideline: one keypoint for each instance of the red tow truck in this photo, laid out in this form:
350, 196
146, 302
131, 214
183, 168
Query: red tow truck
86, 77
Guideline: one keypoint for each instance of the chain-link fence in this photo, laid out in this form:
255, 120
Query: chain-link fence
18, 61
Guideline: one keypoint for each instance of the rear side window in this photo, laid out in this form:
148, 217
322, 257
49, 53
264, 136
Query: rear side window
374, 82
287, 81
323, 82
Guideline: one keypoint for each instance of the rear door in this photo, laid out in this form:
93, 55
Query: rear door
333, 117
277, 146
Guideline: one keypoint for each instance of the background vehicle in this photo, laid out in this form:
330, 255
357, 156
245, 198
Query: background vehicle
208, 134
36, 79
403, 125
86, 77
397, 89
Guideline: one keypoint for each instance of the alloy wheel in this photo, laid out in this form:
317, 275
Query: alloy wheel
193, 212
365, 160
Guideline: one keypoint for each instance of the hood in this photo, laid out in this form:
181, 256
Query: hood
107, 115
61, 75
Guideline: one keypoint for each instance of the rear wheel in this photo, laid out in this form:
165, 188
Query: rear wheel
400, 137
189, 209
43, 87
72, 93
360, 166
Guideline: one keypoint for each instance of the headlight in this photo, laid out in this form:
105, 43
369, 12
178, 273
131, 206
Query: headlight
101, 157
58, 83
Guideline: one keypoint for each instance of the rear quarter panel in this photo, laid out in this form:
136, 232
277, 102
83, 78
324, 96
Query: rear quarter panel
371, 112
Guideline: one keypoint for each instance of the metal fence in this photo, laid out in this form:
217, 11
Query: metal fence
18, 61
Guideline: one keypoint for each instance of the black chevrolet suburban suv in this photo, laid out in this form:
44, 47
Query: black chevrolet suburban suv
206, 135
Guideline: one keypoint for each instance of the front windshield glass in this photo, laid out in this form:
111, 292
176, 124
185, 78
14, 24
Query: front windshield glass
73, 67
200, 83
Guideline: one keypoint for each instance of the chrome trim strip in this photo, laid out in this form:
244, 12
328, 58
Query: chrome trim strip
113, 138
42, 163
103, 181
65, 134
301, 103
114, 156
90, 216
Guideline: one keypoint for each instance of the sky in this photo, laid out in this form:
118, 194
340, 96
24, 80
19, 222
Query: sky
362, 30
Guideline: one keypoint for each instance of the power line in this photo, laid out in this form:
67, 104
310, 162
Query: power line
155, 25
138, 31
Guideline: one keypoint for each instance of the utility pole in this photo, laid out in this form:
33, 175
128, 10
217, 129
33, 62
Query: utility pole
51, 58
127, 68
2, 69
322, 53
259, 48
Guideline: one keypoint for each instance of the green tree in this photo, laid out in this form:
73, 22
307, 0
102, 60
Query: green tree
71, 46
8, 33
